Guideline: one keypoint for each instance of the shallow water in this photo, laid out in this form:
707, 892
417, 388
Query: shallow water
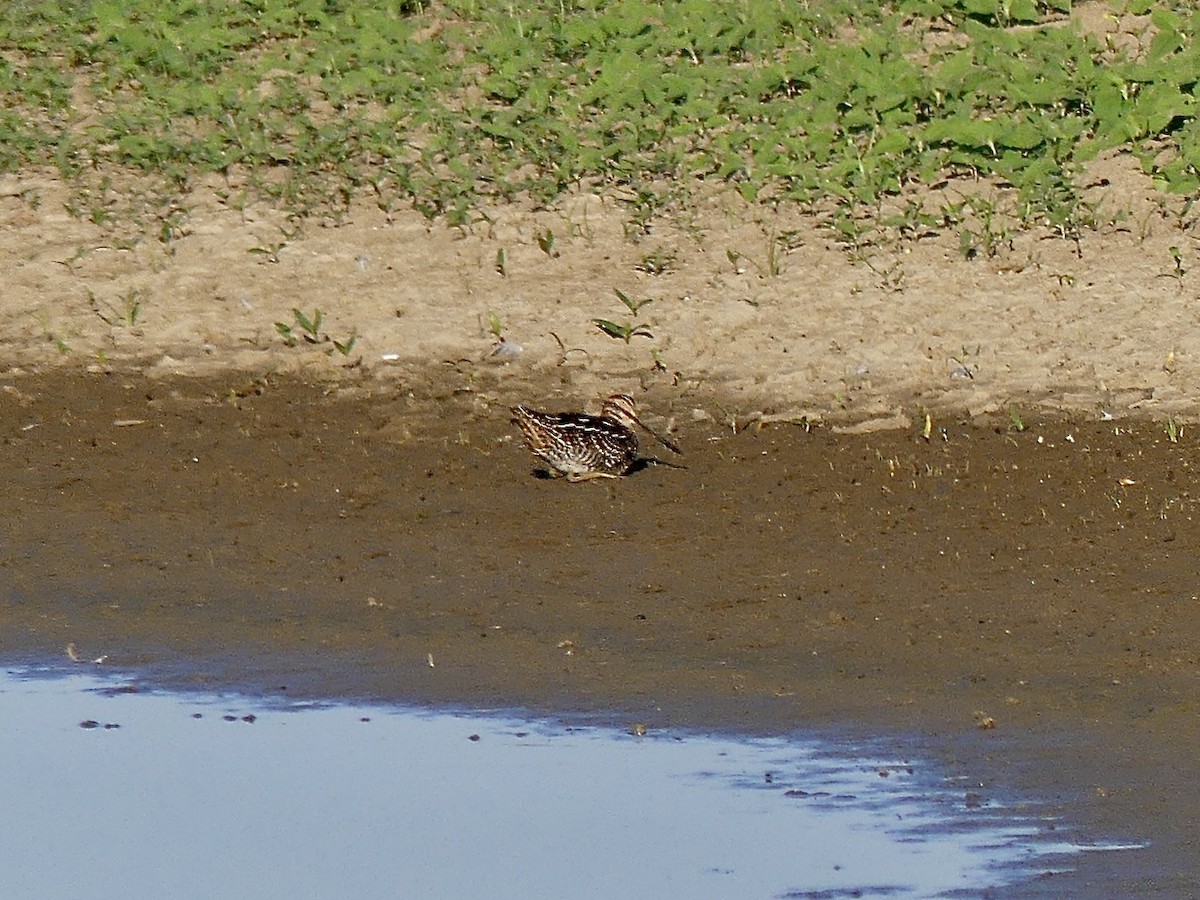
113, 790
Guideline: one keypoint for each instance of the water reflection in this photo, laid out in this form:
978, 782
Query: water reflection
115, 792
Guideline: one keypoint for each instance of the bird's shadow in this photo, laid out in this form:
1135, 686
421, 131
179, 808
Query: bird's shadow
639, 464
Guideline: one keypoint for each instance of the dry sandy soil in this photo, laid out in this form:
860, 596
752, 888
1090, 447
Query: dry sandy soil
193, 499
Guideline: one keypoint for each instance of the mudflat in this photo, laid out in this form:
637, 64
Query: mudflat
1025, 599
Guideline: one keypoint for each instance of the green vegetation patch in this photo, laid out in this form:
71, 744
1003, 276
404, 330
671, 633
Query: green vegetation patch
446, 104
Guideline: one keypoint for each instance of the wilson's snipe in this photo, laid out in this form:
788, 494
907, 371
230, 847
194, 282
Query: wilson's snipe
584, 447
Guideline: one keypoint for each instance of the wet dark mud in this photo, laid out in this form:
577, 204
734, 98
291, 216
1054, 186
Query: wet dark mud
1025, 601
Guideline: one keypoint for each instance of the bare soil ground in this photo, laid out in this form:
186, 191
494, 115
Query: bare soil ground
870, 337
191, 497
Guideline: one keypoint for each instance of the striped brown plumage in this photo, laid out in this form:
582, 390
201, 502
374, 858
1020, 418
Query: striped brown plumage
584, 447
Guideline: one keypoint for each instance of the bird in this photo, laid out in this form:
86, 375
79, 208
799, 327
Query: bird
584, 447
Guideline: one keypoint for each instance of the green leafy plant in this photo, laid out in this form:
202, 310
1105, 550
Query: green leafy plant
658, 262
854, 232
626, 331
990, 234
307, 329
632, 305
304, 327
645, 205
451, 107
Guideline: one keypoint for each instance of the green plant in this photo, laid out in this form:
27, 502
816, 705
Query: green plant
545, 240
914, 223
125, 315
990, 234
632, 305
659, 262
1177, 257
451, 107
307, 329
776, 245
854, 232
271, 250
51, 334
495, 326
1174, 430
966, 368
645, 206
626, 331
772, 267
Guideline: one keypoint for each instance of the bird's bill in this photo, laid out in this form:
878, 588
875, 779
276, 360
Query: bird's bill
670, 445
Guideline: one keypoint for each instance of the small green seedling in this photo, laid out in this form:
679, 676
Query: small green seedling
628, 330
495, 326
966, 369
773, 267
625, 332
308, 329
657, 263
1177, 256
546, 242
128, 314
1174, 430
632, 305
344, 347
269, 251
501, 263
